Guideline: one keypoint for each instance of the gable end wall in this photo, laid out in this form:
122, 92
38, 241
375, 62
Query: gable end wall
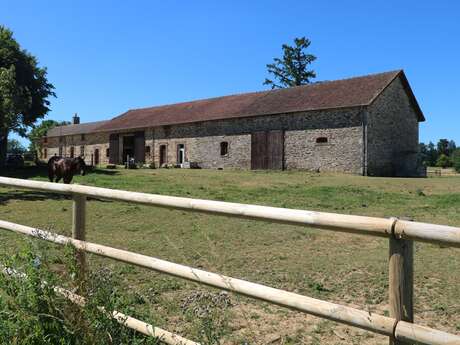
392, 134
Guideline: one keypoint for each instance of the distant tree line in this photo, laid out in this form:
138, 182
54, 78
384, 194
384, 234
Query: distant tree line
444, 154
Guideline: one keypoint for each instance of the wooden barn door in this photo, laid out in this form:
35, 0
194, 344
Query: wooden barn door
258, 150
113, 148
139, 147
267, 150
275, 150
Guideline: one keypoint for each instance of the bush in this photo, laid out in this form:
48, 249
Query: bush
456, 160
32, 312
443, 161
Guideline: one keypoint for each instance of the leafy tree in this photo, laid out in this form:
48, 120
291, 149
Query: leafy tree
292, 68
38, 131
443, 147
24, 89
15, 146
443, 161
456, 160
451, 147
428, 154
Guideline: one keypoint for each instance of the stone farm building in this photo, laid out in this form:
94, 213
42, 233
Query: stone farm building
365, 125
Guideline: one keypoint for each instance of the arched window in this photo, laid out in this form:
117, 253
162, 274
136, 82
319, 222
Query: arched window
224, 148
321, 140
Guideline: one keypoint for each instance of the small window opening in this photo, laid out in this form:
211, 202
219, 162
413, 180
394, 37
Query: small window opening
82, 137
45, 140
224, 148
321, 140
45, 153
107, 153
82, 151
61, 139
147, 150
72, 152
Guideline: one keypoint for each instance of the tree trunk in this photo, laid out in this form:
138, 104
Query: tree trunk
3, 147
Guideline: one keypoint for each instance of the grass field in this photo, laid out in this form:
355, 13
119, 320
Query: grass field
344, 268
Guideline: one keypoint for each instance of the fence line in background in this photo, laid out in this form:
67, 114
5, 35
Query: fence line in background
401, 233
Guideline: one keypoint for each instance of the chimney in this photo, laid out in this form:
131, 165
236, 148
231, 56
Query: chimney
76, 119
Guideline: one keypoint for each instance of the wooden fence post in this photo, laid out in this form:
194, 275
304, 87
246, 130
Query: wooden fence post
79, 231
401, 281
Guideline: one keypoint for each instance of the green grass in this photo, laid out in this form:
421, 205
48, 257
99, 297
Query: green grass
348, 269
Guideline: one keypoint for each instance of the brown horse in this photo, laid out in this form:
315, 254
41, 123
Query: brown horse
65, 168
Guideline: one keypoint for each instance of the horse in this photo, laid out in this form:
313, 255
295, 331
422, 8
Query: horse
65, 168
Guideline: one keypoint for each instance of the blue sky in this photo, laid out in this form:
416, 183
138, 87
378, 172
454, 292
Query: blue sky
105, 57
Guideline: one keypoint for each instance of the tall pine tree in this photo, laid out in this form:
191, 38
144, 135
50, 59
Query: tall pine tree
292, 68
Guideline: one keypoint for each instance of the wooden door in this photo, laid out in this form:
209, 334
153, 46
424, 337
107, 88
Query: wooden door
275, 150
163, 159
139, 147
113, 149
267, 150
259, 150
96, 156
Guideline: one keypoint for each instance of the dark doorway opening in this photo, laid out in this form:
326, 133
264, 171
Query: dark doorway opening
163, 159
180, 154
96, 156
128, 147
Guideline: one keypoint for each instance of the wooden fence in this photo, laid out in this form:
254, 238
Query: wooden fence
399, 327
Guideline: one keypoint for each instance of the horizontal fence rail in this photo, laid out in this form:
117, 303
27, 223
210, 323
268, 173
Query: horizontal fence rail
382, 227
398, 327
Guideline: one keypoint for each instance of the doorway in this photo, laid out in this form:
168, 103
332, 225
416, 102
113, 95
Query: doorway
267, 150
180, 154
163, 159
128, 147
96, 156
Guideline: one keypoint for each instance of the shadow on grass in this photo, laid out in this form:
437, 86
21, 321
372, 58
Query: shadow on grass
25, 172
26, 195
39, 172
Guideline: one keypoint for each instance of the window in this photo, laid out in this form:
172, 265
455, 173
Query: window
72, 151
147, 150
224, 148
82, 151
107, 153
60, 151
45, 153
321, 140
82, 137
61, 139
45, 139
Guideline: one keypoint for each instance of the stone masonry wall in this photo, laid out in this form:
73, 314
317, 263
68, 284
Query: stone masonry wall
343, 152
90, 143
392, 134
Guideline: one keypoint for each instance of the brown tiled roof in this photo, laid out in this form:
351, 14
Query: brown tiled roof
359, 91
81, 128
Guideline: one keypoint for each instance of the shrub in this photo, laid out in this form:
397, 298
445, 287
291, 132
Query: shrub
32, 312
443, 161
